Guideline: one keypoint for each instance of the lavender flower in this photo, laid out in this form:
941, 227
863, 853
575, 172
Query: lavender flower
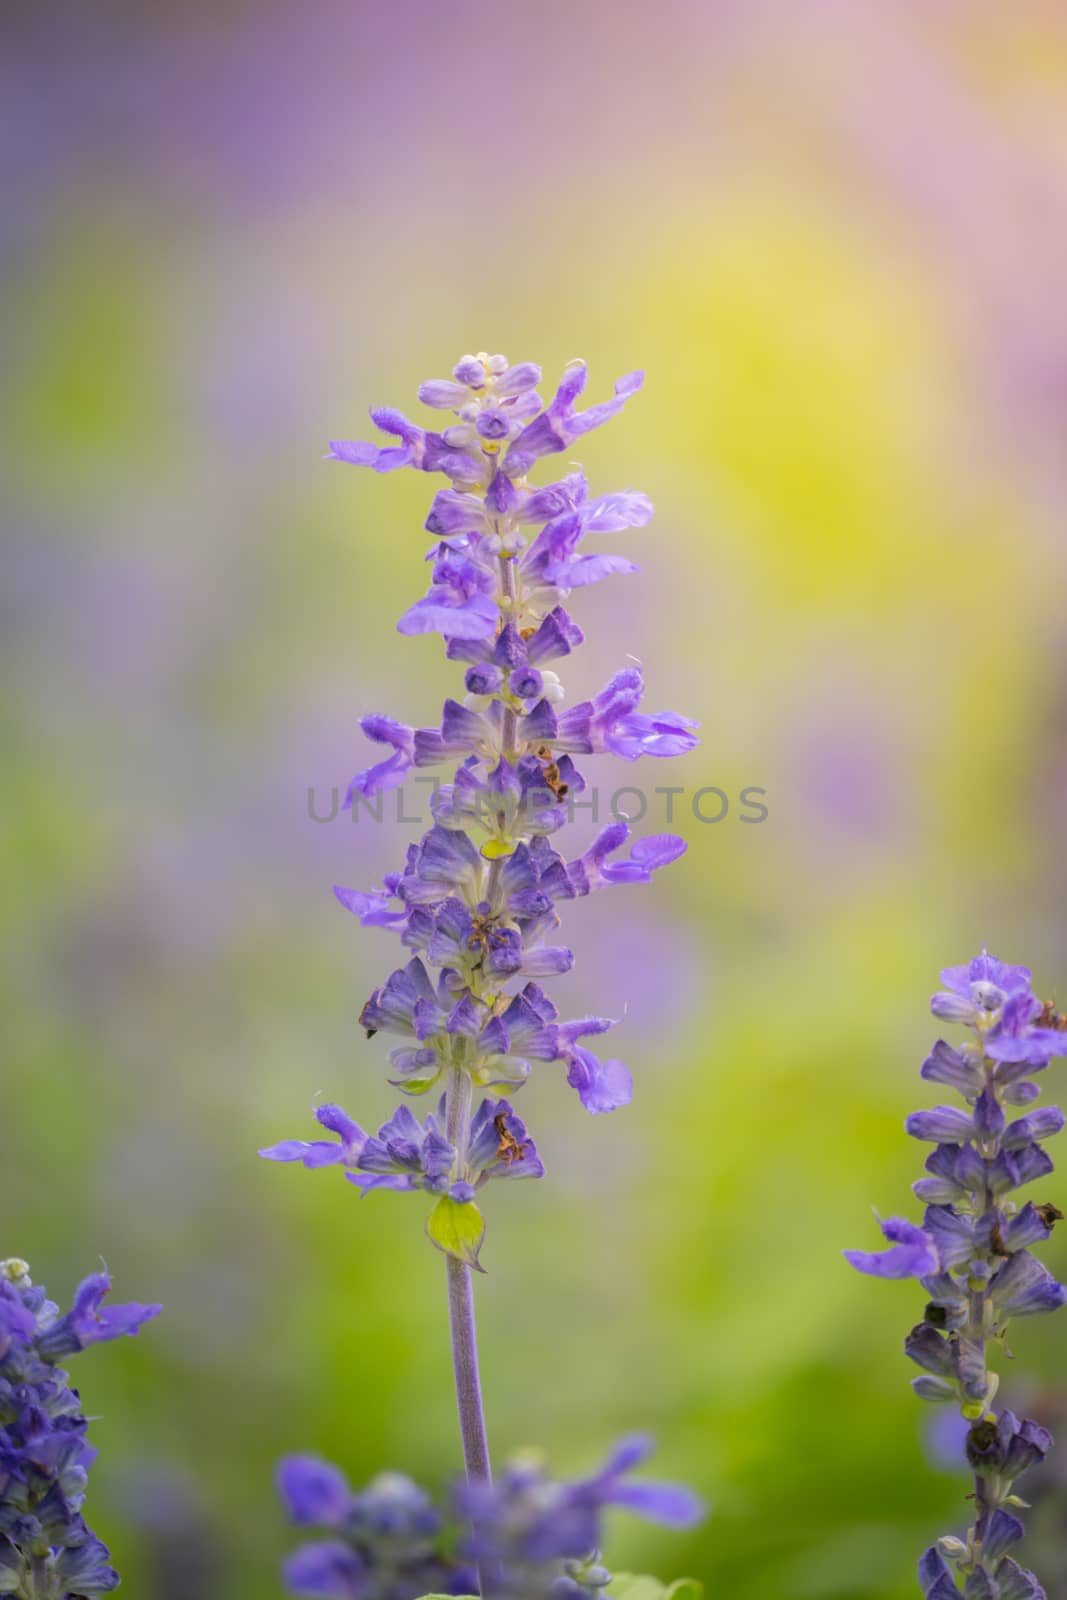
47, 1552
475, 907
537, 1536
476, 900
973, 1257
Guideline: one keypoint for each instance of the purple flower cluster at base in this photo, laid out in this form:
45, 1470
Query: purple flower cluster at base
537, 1536
973, 1252
46, 1547
387, 1542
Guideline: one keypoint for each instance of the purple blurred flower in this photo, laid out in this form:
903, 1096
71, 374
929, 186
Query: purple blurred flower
385, 1541
537, 1536
315, 1493
525, 1525
476, 899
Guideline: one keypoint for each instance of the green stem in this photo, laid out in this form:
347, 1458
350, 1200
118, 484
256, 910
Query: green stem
461, 1309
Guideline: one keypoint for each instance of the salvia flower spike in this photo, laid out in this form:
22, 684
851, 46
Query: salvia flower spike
475, 903
974, 1254
47, 1550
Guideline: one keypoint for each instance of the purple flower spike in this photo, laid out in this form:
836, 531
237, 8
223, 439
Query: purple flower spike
476, 906
973, 1253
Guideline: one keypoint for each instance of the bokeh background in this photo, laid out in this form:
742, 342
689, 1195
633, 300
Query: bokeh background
835, 235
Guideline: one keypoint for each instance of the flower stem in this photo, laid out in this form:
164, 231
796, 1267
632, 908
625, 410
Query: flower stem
465, 1367
42, 1581
461, 1310
977, 1332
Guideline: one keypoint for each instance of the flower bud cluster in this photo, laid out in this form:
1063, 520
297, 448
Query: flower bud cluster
537, 1536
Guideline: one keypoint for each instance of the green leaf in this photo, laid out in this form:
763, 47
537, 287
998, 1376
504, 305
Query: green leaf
448, 1597
628, 1586
457, 1228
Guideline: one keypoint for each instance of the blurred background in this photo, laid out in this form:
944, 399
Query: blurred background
835, 237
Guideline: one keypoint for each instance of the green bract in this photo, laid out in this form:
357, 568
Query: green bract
458, 1228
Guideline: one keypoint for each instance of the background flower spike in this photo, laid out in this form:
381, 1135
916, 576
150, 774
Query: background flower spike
972, 1255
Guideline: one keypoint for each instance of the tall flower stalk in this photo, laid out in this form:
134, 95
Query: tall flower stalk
973, 1254
476, 899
